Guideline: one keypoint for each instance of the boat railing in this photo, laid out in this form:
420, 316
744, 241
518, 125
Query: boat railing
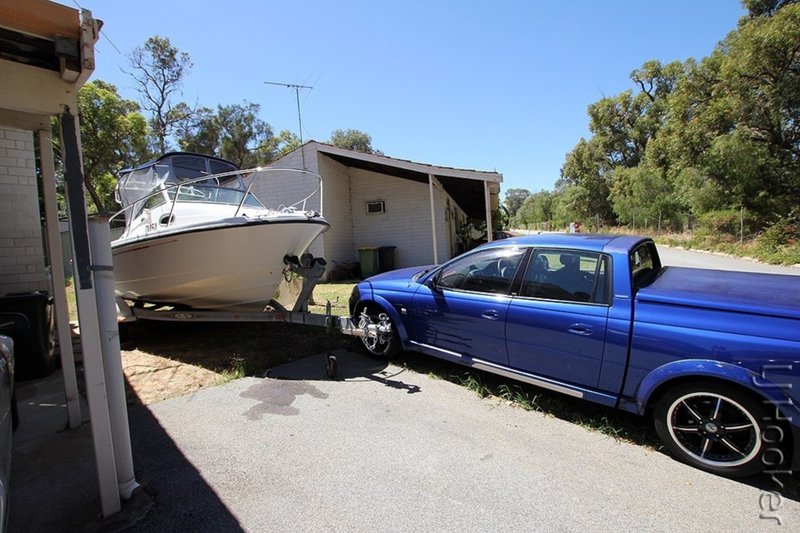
244, 174
294, 205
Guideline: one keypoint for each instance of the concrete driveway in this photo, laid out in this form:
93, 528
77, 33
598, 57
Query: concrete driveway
389, 449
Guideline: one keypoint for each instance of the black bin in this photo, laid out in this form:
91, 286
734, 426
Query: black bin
370, 263
386, 258
28, 319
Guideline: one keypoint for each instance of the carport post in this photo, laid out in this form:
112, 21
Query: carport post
488, 199
87, 318
59, 282
433, 221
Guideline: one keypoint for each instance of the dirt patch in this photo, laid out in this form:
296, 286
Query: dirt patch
151, 378
162, 360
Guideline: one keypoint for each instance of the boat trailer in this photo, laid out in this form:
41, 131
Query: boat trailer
310, 269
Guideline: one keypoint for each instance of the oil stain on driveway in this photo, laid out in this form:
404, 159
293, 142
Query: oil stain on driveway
276, 397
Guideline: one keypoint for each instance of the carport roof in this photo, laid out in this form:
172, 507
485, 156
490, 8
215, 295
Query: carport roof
46, 54
465, 186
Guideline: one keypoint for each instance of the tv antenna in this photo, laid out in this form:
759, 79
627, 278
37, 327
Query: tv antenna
297, 98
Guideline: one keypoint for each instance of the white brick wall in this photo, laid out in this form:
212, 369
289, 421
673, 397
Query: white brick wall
338, 240
407, 220
21, 248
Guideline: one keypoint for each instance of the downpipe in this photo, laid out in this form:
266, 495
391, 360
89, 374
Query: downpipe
103, 271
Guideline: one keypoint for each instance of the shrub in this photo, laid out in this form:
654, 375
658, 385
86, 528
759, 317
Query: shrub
780, 242
725, 226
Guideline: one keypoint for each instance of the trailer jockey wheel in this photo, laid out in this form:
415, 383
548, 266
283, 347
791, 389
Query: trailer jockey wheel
331, 366
330, 359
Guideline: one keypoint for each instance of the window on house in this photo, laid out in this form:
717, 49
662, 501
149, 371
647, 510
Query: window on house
378, 206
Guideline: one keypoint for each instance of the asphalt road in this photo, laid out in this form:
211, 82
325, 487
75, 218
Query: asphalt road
692, 258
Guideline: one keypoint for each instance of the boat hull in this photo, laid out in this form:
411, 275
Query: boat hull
223, 267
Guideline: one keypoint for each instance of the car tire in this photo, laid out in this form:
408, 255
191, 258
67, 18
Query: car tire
385, 345
716, 428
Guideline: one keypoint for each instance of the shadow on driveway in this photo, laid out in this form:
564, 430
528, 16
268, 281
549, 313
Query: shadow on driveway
351, 366
54, 483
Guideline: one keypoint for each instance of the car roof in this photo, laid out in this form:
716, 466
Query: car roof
583, 241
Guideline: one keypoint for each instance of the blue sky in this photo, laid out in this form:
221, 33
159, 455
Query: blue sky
500, 85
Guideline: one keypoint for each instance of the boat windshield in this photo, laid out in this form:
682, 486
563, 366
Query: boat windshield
224, 189
181, 174
214, 194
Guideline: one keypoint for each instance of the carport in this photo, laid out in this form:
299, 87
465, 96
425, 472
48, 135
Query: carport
46, 55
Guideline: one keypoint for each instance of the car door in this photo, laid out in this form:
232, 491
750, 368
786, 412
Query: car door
556, 325
462, 310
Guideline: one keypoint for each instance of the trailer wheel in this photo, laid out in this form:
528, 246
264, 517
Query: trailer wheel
381, 340
331, 366
716, 428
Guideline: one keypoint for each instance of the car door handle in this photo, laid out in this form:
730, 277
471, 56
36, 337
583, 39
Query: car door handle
580, 329
491, 315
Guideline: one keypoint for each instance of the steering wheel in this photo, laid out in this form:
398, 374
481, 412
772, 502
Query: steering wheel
505, 268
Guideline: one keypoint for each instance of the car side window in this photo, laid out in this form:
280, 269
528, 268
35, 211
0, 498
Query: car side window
567, 275
490, 271
644, 265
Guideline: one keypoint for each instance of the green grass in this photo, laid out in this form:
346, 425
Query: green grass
236, 371
337, 293
72, 304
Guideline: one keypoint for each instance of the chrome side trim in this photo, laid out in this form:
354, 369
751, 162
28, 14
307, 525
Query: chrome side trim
503, 371
440, 350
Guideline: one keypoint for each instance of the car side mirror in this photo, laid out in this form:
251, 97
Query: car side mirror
433, 284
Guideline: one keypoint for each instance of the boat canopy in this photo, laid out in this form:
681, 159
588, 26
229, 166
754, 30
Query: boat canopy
171, 169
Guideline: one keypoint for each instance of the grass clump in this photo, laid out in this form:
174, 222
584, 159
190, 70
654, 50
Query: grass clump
616, 424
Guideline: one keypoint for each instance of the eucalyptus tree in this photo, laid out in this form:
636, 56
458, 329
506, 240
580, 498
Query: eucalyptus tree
158, 69
514, 199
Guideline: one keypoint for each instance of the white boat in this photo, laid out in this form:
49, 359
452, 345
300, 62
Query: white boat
194, 235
